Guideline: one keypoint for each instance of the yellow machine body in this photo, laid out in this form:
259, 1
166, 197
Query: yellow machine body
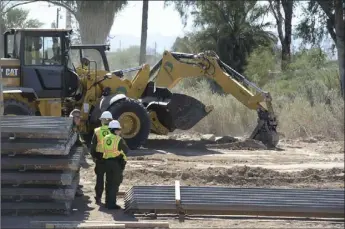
142, 105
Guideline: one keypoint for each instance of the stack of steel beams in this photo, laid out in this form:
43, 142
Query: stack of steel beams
39, 164
235, 201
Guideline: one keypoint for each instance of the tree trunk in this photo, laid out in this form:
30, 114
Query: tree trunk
143, 41
286, 42
339, 30
95, 21
284, 35
68, 18
94, 30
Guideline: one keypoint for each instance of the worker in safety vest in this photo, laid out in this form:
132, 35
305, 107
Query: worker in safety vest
115, 151
97, 153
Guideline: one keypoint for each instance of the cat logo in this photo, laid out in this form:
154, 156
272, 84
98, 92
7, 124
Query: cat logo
9, 72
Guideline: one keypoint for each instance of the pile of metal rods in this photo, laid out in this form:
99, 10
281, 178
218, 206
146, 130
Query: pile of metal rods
235, 201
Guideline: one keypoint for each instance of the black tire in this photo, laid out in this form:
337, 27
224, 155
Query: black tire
15, 107
130, 105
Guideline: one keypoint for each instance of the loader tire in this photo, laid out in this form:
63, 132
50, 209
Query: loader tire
14, 107
141, 121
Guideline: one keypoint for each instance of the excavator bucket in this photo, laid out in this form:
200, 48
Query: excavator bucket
266, 130
186, 111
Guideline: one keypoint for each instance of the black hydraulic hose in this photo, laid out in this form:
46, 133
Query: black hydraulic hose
238, 76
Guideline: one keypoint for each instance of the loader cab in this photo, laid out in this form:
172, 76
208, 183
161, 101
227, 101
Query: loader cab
43, 55
94, 53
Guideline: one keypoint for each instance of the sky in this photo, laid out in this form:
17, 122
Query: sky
163, 21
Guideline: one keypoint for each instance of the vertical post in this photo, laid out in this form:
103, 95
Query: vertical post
57, 17
142, 56
339, 30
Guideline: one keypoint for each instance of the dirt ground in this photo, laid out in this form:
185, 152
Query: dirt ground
305, 163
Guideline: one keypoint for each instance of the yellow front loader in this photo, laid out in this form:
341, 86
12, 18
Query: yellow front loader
44, 75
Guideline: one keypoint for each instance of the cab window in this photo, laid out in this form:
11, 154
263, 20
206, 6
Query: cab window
42, 50
11, 41
10, 46
95, 58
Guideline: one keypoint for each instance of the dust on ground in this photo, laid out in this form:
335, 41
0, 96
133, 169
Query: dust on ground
233, 162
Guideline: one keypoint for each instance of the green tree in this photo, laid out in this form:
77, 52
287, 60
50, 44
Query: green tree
185, 44
11, 17
18, 18
324, 18
261, 62
232, 28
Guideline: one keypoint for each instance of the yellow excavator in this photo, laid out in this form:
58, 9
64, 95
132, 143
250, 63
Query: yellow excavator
43, 74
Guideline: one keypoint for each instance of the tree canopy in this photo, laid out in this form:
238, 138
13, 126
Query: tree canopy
232, 28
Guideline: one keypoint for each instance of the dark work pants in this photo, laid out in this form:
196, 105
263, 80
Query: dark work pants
114, 178
100, 172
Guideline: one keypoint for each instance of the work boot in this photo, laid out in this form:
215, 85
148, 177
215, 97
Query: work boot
98, 200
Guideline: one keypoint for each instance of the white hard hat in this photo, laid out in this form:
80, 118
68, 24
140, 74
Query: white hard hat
114, 125
106, 115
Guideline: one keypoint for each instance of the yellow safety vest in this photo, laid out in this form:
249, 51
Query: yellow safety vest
111, 147
101, 132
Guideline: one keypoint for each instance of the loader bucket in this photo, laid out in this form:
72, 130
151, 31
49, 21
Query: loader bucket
186, 111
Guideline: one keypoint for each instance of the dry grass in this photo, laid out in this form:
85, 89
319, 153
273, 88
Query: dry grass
297, 116
306, 99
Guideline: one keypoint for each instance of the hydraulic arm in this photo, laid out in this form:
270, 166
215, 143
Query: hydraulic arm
175, 66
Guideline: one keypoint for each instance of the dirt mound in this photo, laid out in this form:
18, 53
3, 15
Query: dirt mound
197, 142
247, 144
240, 176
